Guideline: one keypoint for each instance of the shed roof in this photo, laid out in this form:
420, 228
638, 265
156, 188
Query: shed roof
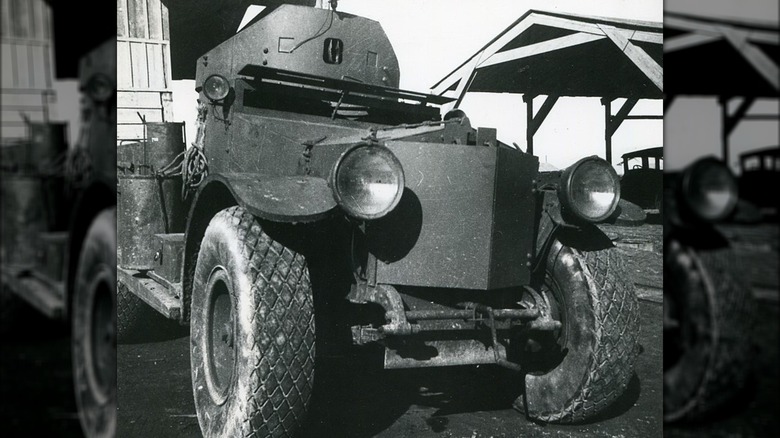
721, 56
545, 53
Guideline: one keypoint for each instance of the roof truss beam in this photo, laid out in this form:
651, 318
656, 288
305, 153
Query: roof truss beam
586, 32
763, 64
540, 48
639, 57
688, 40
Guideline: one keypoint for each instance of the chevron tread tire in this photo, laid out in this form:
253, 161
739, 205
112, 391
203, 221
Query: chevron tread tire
600, 316
272, 317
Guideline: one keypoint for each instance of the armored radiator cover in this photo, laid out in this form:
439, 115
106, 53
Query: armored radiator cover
466, 218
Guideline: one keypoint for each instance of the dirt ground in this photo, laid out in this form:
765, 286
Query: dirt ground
359, 400
36, 386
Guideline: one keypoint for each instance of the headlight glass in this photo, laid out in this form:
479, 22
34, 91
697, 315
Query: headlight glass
590, 189
100, 88
216, 87
368, 182
709, 189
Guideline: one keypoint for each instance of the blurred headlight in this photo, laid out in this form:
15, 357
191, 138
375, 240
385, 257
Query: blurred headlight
368, 182
100, 88
589, 189
216, 87
709, 190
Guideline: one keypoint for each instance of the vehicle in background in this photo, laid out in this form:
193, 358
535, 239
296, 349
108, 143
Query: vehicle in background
760, 174
642, 180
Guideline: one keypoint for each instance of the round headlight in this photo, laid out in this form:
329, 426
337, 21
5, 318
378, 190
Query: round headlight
100, 87
368, 181
709, 189
216, 87
590, 189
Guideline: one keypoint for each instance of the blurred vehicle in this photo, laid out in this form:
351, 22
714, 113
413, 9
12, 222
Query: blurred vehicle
708, 307
760, 174
642, 181
317, 191
59, 237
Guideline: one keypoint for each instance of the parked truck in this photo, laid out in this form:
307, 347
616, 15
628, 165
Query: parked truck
59, 236
317, 194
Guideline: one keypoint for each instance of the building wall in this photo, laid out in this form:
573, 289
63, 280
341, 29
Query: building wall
143, 66
26, 82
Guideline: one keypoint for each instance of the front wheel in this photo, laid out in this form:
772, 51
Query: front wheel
252, 331
94, 328
708, 321
589, 361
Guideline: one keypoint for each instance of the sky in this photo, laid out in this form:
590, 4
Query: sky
433, 37
693, 124
693, 130
766, 11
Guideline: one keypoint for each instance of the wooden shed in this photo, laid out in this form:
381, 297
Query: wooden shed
144, 66
26, 82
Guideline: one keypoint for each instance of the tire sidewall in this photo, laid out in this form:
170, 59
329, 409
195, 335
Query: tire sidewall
576, 303
715, 300
221, 247
97, 262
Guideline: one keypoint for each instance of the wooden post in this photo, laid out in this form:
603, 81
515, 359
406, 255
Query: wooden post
607, 127
724, 129
534, 121
729, 121
612, 123
529, 118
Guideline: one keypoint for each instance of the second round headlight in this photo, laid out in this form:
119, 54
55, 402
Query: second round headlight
709, 189
590, 189
368, 182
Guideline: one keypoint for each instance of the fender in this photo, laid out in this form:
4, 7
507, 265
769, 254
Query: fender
290, 199
552, 226
295, 199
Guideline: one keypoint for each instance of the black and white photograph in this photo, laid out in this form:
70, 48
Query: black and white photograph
57, 220
722, 141
389, 218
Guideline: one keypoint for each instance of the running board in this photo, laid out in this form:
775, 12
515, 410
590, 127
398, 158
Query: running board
160, 298
44, 294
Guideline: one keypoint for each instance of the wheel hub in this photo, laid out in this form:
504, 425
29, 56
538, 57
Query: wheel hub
220, 346
101, 340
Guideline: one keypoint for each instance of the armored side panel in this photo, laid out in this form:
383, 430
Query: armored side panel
271, 144
465, 219
308, 40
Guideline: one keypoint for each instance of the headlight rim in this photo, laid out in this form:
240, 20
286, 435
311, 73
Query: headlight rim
338, 196
91, 88
565, 195
686, 182
214, 98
